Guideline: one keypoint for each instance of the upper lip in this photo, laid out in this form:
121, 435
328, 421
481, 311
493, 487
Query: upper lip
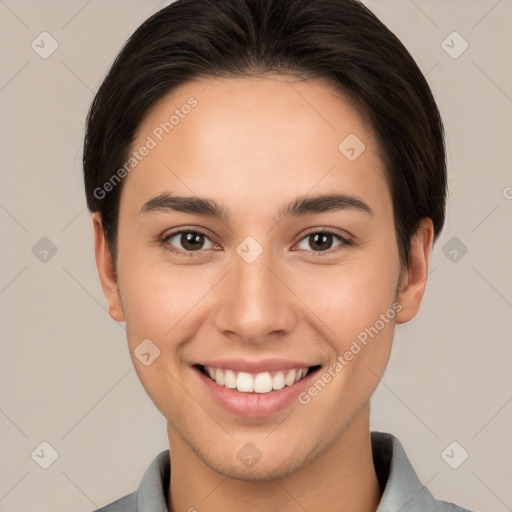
263, 365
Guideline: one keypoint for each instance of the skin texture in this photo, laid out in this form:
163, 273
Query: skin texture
253, 145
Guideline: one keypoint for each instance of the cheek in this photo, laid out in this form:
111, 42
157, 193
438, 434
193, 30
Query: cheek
346, 299
159, 306
355, 311
159, 301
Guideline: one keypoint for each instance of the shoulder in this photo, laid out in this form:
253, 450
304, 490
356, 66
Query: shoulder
424, 501
151, 494
444, 506
127, 503
402, 489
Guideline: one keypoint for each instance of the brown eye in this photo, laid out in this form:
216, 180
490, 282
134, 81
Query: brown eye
322, 241
187, 241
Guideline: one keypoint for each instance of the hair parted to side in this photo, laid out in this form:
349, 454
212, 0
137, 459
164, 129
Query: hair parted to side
339, 41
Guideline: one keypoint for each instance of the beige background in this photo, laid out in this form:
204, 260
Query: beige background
66, 377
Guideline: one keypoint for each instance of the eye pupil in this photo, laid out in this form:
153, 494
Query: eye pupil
192, 241
319, 239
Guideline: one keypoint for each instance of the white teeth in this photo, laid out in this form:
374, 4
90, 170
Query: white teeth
229, 379
219, 376
290, 377
278, 381
263, 382
244, 382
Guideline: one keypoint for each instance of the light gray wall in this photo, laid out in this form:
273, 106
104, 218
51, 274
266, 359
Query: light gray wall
66, 377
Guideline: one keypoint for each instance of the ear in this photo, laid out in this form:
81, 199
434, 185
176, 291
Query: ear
414, 280
106, 270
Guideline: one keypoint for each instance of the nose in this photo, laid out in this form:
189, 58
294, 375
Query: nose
255, 304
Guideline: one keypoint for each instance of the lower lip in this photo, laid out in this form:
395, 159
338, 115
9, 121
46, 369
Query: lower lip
253, 405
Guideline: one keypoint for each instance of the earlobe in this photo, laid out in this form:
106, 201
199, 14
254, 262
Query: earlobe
106, 270
414, 280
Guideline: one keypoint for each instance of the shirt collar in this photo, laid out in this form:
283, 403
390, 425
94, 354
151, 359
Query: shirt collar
402, 490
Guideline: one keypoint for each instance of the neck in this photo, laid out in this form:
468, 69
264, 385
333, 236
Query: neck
343, 477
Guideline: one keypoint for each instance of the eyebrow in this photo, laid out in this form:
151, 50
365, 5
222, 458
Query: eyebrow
304, 205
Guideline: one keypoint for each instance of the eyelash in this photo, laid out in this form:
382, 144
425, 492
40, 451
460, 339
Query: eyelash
165, 242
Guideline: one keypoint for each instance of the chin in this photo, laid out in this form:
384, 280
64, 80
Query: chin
260, 472
266, 463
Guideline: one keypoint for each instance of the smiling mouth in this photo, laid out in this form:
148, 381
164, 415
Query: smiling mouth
263, 382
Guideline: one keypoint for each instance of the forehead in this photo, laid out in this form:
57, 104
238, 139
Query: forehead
256, 139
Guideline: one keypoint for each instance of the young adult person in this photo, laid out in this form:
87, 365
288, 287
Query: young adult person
267, 179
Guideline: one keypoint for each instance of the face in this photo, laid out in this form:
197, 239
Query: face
263, 282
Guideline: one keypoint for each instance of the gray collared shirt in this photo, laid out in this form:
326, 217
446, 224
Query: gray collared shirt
403, 492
